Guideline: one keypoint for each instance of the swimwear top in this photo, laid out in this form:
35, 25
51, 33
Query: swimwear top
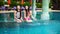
27, 18
18, 15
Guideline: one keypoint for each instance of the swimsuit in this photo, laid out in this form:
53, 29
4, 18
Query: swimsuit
28, 18
18, 14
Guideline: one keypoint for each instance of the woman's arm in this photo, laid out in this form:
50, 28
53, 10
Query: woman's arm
32, 16
30, 12
15, 15
24, 14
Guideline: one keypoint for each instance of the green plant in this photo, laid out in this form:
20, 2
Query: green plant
50, 4
5, 3
1, 3
14, 3
39, 5
26, 4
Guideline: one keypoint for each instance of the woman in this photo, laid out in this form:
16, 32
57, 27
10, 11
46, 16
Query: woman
17, 14
27, 14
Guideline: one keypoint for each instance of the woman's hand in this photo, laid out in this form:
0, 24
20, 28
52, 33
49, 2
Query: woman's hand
18, 20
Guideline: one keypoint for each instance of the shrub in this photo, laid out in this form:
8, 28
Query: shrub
14, 3
39, 5
27, 3
1, 3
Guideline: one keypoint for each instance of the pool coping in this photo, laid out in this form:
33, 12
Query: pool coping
11, 11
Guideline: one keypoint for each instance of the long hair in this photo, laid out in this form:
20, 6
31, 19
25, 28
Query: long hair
27, 10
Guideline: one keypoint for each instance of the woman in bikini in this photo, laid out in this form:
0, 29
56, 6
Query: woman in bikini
17, 14
27, 14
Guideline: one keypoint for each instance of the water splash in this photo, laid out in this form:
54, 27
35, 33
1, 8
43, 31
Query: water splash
33, 9
45, 16
45, 9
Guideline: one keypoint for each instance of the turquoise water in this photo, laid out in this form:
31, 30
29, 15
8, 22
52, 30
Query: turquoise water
51, 26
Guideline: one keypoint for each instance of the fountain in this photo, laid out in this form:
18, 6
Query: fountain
33, 9
45, 9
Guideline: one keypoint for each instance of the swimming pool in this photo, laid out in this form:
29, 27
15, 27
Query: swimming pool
51, 26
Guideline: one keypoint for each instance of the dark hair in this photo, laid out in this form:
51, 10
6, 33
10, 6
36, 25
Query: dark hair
27, 10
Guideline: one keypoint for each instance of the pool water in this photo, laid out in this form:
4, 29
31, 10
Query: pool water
51, 26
